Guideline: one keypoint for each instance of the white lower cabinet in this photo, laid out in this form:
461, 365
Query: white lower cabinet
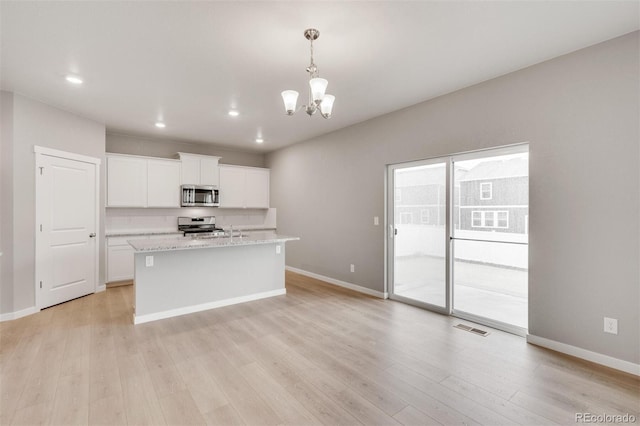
119, 260
120, 255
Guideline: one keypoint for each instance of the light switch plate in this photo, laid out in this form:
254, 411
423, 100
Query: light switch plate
278, 249
148, 261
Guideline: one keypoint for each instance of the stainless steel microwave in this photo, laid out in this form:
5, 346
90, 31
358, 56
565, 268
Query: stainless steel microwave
199, 196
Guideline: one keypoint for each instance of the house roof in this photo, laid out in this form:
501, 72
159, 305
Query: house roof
498, 169
431, 175
418, 176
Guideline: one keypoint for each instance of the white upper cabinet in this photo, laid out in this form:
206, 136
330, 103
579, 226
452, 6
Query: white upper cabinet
257, 188
126, 181
232, 186
134, 181
244, 187
190, 170
199, 169
209, 174
163, 185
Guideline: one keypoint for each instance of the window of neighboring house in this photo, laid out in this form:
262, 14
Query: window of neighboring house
476, 219
490, 219
503, 219
486, 190
424, 216
406, 218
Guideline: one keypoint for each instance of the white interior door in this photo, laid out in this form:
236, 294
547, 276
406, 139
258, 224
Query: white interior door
66, 228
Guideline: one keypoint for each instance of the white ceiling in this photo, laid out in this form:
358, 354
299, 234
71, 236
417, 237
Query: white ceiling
188, 63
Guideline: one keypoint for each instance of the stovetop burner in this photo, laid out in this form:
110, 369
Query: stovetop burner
196, 226
201, 230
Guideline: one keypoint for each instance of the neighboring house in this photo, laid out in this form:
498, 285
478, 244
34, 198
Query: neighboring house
420, 196
490, 196
494, 196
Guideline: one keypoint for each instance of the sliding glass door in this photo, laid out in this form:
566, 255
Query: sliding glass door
458, 235
418, 233
490, 237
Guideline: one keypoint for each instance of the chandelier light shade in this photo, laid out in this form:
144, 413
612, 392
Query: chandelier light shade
318, 87
327, 105
318, 99
290, 98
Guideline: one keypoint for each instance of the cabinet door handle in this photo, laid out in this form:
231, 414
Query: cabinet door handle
92, 235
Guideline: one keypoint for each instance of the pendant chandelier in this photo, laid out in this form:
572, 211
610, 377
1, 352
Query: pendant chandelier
318, 100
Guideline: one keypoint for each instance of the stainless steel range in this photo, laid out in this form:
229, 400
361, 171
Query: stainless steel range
199, 226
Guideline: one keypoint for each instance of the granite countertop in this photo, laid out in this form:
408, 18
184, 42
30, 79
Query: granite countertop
142, 233
139, 233
189, 243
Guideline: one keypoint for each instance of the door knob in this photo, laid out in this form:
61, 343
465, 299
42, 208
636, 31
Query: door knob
92, 235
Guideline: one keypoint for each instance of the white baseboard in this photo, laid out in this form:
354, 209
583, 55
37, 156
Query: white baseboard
18, 314
339, 283
33, 310
606, 360
139, 319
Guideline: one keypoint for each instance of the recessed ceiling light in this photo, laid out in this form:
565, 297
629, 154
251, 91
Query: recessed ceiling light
259, 140
234, 113
160, 125
74, 79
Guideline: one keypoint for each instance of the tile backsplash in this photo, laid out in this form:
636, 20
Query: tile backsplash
159, 220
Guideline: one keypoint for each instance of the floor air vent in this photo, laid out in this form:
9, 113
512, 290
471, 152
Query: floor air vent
463, 327
472, 330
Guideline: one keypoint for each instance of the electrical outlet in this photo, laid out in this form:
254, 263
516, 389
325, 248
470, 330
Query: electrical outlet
376, 221
610, 325
353, 267
148, 261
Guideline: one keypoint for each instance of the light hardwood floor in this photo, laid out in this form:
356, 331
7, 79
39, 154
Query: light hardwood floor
319, 355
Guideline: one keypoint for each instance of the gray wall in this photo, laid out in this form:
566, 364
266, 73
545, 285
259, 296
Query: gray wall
580, 115
6, 207
167, 148
35, 123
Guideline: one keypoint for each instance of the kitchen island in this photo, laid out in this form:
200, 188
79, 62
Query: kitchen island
181, 275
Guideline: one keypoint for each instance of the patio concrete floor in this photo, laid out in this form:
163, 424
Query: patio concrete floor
489, 291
